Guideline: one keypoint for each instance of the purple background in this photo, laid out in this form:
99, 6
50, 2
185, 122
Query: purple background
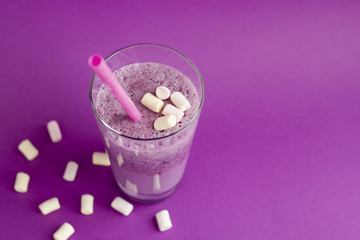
277, 151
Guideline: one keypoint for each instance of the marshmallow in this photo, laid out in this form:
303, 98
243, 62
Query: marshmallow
165, 122
172, 110
180, 101
70, 171
152, 102
131, 186
162, 92
163, 220
156, 183
49, 206
22, 182
87, 204
54, 131
29, 151
64, 232
122, 206
120, 159
99, 158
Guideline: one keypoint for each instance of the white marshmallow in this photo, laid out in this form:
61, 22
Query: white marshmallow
163, 92
99, 158
156, 183
153, 103
131, 186
54, 131
163, 220
87, 204
172, 110
120, 159
165, 122
22, 182
180, 101
49, 206
70, 171
29, 151
64, 232
122, 206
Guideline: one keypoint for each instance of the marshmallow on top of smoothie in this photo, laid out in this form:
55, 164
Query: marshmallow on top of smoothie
172, 114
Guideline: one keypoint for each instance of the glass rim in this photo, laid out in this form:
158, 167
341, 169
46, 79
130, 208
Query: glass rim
157, 138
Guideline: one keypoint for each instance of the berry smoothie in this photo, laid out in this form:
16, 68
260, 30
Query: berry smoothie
147, 162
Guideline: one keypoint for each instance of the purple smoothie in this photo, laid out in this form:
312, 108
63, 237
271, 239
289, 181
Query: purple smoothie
146, 161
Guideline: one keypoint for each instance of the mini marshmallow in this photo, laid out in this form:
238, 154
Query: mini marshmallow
122, 206
70, 171
165, 122
131, 186
49, 206
22, 182
180, 101
153, 103
99, 158
87, 204
172, 110
54, 131
119, 159
64, 232
156, 183
163, 220
29, 151
163, 92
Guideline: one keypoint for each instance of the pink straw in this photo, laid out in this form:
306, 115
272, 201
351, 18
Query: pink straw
98, 64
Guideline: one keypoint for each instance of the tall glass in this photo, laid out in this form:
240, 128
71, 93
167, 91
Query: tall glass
148, 170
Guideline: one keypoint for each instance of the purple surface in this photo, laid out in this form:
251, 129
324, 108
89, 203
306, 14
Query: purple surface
276, 154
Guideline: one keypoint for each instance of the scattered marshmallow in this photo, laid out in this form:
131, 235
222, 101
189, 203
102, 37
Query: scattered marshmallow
153, 103
54, 131
131, 186
49, 206
122, 206
163, 220
120, 160
165, 122
163, 92
156, 183
87, 204
64, 232
172, 110
99, 158
22, 182
70, 171
180, 101
29, 151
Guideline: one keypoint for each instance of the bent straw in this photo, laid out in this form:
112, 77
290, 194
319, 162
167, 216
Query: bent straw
98, 64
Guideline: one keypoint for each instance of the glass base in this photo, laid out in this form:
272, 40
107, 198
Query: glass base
147, 198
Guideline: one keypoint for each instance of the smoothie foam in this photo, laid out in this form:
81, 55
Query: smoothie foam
138, 79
